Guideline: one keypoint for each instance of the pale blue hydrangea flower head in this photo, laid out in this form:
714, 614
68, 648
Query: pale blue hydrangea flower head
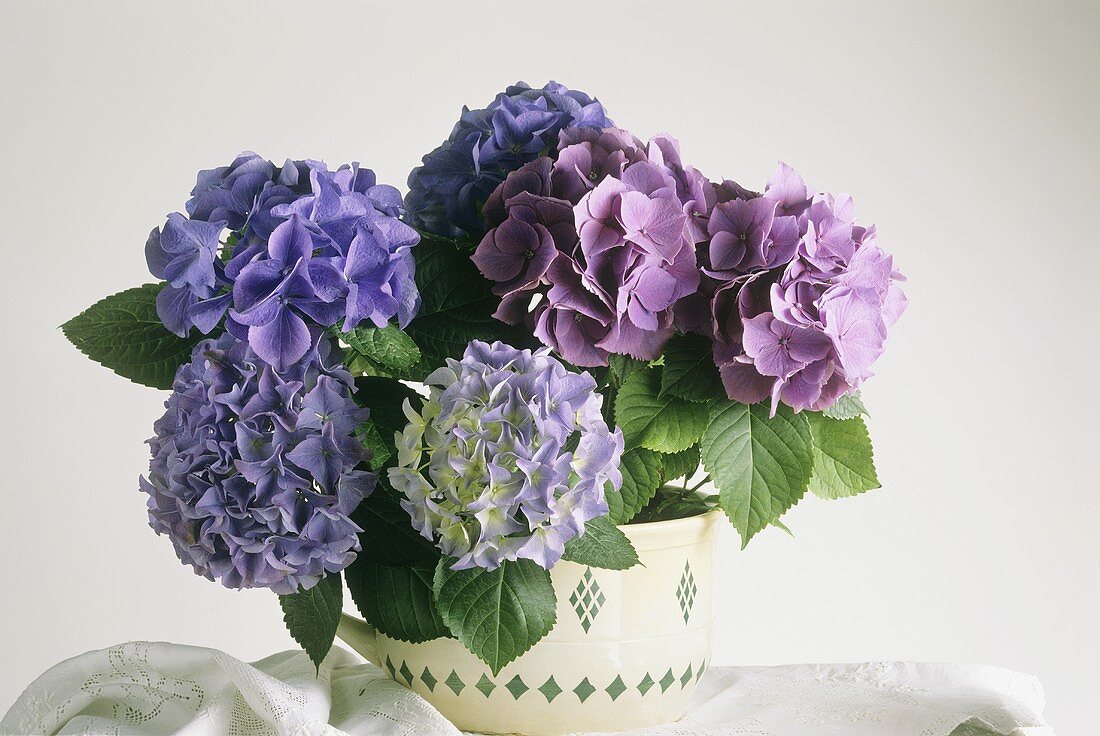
508, 458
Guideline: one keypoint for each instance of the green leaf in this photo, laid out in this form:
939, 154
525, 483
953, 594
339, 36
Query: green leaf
760, 464
385, 398
674, 503
311, 616
456, 306
681, 464
388, 536
844, 463
623, 366
602, 545
386, 348
398, 601
641, 470
847, 407
607, 408
689, 371
381, 450
123, 332
780, 525
496, 614
661, 423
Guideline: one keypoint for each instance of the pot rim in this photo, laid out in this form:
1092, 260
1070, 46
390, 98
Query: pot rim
672, 532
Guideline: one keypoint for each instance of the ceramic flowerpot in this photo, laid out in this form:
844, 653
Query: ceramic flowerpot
626, 652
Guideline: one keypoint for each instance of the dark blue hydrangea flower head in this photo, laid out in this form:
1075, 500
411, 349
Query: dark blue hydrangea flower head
446, 193
256, 472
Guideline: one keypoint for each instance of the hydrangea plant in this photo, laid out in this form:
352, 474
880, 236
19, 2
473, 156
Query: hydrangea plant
588, 319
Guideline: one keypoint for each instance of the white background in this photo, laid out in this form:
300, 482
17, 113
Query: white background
967, 131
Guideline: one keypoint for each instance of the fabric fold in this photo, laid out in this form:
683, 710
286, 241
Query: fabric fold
141, 688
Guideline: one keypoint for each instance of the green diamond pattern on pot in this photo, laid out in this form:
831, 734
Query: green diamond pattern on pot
455, 682
685, 678
667, 680
406, 673
685, 592
485, 685
550, 689
584, 690
428, 679
391, 668
646, 683
616, 688
587, 599
517, 687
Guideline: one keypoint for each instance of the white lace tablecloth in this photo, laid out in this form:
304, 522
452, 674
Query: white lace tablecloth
158, 688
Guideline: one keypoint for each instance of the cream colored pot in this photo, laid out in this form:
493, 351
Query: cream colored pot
626, 652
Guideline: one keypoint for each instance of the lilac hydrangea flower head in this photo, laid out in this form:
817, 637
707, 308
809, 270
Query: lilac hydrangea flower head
255, 472
447, 191
802, 295
508, 458
605, 234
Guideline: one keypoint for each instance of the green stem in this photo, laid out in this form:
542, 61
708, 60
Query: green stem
697, 486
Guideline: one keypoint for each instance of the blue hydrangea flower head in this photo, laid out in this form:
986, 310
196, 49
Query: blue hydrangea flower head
447, 191
508, 458
276, 251
255, 472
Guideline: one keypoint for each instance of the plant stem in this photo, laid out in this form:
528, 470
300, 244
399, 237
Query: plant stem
698, 485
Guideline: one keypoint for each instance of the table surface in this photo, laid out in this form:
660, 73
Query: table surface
156, 687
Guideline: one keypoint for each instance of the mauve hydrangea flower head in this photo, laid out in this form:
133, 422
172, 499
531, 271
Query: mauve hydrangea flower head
256, 472
802, 296
508, 458
586, 156
447, 191
286, 248
599, 241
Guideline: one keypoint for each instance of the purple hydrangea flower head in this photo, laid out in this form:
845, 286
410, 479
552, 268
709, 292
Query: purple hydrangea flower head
244, 193
697, 194
604, 235
273, 296
749, 234
185, 254
802, 296
587, 156
508, 458
447, 191
341, 253
286, 247
255, 472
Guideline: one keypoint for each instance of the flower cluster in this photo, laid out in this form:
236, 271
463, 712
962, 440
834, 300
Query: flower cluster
280, 249
610, 246
508, 459
604, 235
255, 472
185, 252
446, 193
801, 297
